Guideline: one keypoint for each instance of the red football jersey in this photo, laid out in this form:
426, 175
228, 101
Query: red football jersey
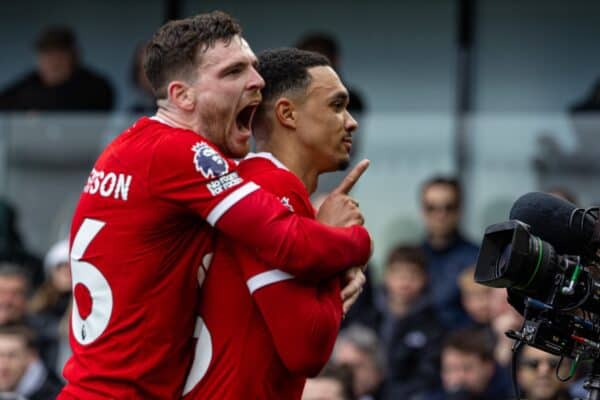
140, 235
261, 332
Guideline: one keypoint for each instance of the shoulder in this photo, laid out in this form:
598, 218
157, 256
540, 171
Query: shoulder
178, 152
279, 181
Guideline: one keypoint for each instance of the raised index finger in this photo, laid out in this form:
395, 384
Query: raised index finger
350, 180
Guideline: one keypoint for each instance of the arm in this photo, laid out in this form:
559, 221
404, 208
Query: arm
304, 326
297, 245
251, 216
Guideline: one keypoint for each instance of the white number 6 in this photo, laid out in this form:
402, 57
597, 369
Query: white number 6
91, 290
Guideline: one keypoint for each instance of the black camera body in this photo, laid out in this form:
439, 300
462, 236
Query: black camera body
557, 294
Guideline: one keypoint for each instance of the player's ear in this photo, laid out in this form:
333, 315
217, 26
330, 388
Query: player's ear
182, 95
285, 112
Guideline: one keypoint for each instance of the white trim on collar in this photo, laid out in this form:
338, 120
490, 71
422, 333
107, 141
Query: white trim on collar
268, 156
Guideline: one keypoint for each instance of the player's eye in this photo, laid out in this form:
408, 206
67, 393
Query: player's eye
338, 105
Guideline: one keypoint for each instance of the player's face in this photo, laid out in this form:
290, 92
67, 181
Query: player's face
325, 126
227, 92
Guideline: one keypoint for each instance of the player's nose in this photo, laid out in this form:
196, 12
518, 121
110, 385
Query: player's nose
256, 82
350, 123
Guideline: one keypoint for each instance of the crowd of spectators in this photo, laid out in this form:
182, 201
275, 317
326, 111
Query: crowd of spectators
433, 333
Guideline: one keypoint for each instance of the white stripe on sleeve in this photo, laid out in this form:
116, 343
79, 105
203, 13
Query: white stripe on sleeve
266, 278
229, 201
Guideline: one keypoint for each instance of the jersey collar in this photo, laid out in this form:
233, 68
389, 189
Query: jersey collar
268, 156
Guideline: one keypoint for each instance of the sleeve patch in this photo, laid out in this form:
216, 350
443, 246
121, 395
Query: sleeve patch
208, 161
223, 183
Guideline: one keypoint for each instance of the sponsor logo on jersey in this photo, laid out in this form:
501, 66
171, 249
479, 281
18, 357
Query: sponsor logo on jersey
208, 161
223, 183
108, 184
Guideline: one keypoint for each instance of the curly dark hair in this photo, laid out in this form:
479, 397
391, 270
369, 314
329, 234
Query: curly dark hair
176, 48
284, 70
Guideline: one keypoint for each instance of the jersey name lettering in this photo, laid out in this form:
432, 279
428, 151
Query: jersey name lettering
108, 184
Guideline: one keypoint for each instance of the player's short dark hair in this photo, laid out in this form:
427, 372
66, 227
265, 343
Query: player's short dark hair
450, 181
403, 253
321, 43
56, 38
284, 70
471, 340
176, 48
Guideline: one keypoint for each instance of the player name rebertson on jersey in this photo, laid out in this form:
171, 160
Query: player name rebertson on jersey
108, 184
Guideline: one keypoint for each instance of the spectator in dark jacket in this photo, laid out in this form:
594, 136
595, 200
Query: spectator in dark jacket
21, 370
448, 252
60, 82
408, 325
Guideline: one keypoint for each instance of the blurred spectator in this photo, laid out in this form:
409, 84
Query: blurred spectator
50, 303
448, 252
12, 249
477, 300
468, 368
144, 102
333, 383
59, 82
14, 291
537, 375
358, 348
408, 327
563, 193
591, 101
21, 370
505, 318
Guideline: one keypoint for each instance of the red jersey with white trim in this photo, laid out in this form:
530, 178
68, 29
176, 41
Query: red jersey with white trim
140, 233
261, 332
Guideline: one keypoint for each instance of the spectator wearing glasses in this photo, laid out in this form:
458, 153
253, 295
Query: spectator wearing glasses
537, 375
448, 252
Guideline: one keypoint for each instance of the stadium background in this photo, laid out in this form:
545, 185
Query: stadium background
528, 61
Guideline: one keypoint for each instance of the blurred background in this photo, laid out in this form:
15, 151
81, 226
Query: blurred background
500, 94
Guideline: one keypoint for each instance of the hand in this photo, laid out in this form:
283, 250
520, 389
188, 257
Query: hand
354, 279
339, 209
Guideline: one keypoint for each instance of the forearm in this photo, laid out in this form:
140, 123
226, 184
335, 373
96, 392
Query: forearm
297, 245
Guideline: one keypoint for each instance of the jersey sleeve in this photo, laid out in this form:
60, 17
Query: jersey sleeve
191, 173
304, 326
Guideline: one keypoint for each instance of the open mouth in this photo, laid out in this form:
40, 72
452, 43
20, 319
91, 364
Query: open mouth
245, 116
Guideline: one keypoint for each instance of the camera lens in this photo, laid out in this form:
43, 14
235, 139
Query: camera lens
502, 264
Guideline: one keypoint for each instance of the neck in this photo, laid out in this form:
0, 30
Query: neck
398, 308
167, 113
290, 156
441, 241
